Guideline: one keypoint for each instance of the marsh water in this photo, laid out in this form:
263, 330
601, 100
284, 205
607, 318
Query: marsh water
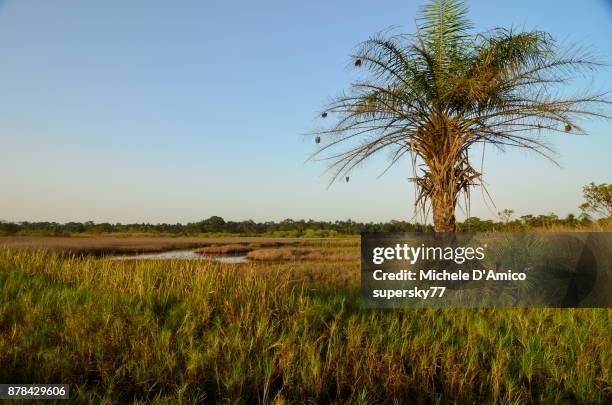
184, 255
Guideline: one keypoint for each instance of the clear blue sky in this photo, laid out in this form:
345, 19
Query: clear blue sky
172, 111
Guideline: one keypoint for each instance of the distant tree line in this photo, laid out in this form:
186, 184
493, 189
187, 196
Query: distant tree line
598, 201
287, 227
212, 225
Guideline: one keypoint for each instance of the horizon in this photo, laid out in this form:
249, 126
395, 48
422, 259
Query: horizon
414, 221
155, 112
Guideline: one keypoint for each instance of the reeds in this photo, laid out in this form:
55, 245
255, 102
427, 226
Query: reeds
225, 249
178, 331
104, 245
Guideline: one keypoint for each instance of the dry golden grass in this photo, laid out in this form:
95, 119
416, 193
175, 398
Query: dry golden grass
103, 245
224, 249
302, 254
594, 227
294, 332
284, 254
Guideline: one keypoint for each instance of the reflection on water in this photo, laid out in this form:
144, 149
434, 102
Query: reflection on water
184, 255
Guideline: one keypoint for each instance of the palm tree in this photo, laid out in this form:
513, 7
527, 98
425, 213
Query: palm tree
435, 95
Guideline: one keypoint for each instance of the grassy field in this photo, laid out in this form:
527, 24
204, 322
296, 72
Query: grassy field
282, 331
103, 245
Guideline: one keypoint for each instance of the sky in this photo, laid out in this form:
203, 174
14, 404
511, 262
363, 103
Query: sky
174, 111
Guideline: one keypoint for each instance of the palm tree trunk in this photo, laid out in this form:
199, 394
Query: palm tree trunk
443, 157
444, 212
443, 201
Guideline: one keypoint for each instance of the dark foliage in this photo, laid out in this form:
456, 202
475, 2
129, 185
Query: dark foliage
290, 227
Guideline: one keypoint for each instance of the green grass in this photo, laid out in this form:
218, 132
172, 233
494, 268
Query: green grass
294, 332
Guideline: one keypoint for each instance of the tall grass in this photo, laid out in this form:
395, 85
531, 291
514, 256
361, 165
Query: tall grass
204, 332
